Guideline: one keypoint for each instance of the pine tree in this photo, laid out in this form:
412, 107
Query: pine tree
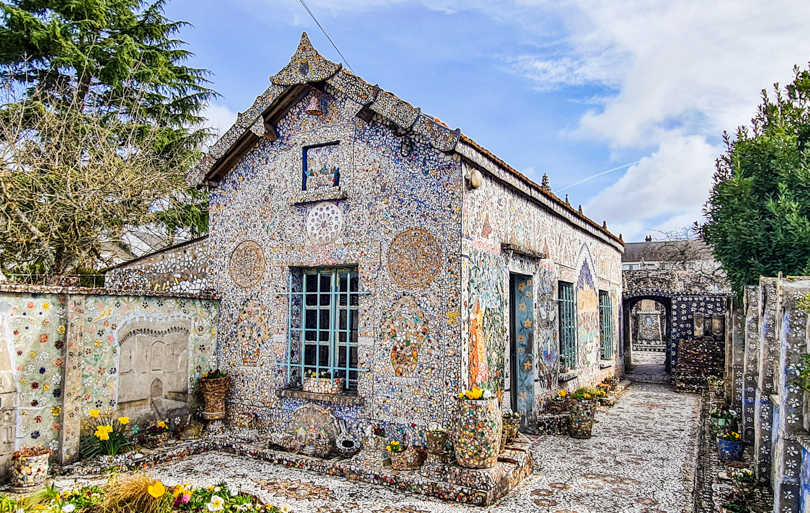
77, 72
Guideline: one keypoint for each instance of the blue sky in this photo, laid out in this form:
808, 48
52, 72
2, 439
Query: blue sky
571, 88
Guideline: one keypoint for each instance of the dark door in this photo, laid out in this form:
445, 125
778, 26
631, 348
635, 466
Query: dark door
522, 343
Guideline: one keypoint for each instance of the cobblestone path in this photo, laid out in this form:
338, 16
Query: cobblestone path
641, 459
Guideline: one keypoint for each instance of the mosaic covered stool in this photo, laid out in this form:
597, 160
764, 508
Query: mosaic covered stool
477, 436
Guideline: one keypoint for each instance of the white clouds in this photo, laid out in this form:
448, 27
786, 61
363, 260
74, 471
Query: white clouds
666, 188
220, 118
685, 71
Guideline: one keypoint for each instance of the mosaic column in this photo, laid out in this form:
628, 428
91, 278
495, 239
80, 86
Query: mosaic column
768, 353
751, 367
786, 462
737, 355
72, 381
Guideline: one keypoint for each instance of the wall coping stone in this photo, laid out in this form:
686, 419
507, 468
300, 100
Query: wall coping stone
99, 291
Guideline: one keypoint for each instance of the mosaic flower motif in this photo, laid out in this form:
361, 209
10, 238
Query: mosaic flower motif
61, 330
35, 435
59, 344
56, 411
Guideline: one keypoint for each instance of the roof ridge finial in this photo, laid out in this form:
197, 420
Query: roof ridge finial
306, 66
566, 200
545, 185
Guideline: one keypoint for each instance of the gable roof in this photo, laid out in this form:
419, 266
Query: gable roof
307, 68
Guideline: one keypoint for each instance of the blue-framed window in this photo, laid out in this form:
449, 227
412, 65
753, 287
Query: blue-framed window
567, 303
323, 320
606, 321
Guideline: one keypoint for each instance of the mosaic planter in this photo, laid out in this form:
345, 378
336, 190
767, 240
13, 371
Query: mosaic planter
214, 391
719, 426
30, 471
437, 445
323, 385
409, 459
477, 436
154, 441
374, 450
509, 431
581, 420
553, 424
730, 451
744, 489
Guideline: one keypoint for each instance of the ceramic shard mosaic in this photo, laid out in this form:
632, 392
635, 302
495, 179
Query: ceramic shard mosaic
247, 264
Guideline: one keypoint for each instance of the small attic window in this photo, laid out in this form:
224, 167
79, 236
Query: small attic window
321, 170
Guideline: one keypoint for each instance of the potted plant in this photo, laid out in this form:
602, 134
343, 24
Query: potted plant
744, 482
109, 437
716, 386
437, 442
322, 383
582, 413
214, 387
511, 424
735, 504
721, 419
405, 459
374, 445
30, 467
564, 365
558, 404
477, 435
730, 446
155, 435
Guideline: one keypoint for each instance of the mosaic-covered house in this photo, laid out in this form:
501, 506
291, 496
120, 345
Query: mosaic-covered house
351, 233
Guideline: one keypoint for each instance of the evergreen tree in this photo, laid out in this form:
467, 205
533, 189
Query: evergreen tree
77, 72
759, 207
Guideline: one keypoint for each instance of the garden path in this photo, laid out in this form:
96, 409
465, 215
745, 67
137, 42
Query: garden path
641, 459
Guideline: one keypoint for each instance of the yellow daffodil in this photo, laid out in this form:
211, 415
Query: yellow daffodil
562, 393
161, 424
101, 435
123, 420
93, 413
157, 490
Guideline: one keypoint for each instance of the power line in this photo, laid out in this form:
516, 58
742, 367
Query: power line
327, 36
598, 174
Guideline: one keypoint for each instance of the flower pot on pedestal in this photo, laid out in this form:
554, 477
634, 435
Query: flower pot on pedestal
581, 419
477, 435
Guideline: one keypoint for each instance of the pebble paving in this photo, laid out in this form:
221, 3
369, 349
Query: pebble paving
642, 458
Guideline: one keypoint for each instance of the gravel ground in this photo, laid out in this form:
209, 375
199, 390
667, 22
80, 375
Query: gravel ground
641, 458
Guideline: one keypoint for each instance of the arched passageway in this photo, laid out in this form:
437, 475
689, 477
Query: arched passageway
647, 330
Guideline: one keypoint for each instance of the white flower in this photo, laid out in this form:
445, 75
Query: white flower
487, 394
216, 504
67, 508
217, 489
285, 508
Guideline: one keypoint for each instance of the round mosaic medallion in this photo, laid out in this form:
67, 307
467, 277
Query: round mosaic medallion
247, 264
414, 258
324, 223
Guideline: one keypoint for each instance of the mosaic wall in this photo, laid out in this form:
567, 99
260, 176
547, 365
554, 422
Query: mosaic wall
182, 268
496, 216
374, 184
394, 216
33, 326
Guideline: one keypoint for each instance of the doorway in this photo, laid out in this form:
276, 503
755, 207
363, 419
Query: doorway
521, 336
647, 338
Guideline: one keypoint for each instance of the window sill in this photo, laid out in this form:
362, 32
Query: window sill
327, 193
297, 393
568, 376
604, 364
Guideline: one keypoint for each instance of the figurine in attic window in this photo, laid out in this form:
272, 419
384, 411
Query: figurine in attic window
323, 177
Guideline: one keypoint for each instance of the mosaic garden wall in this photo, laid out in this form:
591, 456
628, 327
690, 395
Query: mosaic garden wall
182, 268
133, 347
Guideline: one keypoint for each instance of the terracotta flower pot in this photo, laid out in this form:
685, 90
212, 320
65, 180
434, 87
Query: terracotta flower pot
214, 391
30, 471
477, 435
